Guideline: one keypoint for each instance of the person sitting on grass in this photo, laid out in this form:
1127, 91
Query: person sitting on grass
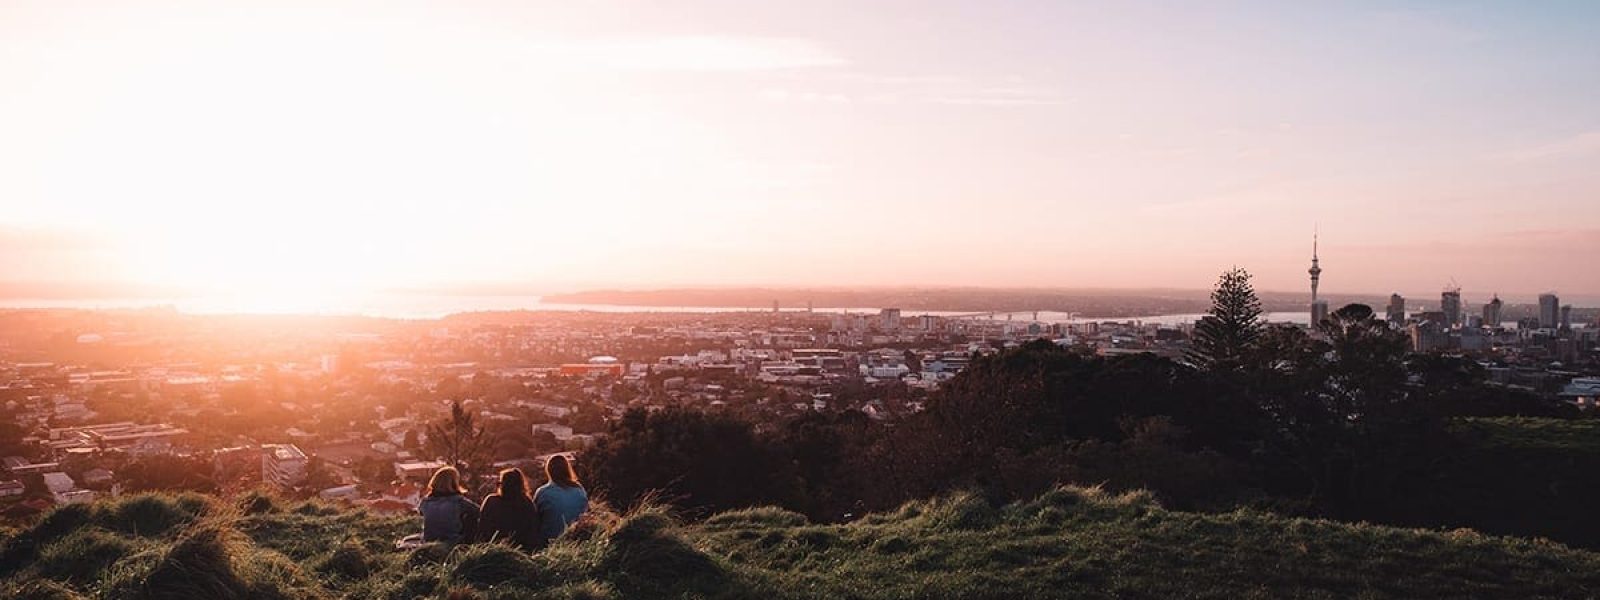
509, 514
562, 500
448, 517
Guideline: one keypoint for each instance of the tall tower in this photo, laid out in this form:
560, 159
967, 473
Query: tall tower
1397, 310
1549, 310
1491, 312
1450, 303
1319, 307
1316, 271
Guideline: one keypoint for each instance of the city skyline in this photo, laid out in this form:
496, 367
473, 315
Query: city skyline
345, 147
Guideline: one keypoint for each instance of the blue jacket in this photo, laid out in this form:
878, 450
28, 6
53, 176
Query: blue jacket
446, 518
559, 506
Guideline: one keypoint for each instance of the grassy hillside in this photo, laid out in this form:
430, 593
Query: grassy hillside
1068, 543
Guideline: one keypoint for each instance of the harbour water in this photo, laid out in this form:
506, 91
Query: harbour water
422, 306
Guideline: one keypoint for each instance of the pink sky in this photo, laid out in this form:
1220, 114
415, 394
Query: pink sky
307, 145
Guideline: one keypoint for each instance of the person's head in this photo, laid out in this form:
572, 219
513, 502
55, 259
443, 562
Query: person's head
559, 471
513, 485
446, 481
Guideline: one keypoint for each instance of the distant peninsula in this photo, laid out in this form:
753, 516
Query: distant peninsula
1087, 302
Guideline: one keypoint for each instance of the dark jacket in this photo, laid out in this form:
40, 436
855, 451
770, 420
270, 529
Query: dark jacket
447, 518
510, 520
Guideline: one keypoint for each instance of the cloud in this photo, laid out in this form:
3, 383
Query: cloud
894, 89
1577, 145
696, 53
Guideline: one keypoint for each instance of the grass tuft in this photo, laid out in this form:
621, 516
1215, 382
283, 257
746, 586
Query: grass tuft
83, 555
766, 516
349, 561
647, 553
153, 515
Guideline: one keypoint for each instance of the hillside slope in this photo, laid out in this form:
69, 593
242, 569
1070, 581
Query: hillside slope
1067, 543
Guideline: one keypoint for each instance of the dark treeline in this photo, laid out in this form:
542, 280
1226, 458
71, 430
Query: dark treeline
1344, 424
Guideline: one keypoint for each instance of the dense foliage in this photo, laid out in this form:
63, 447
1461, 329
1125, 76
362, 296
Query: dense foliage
1341, 422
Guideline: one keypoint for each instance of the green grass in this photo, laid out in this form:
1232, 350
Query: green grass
1070, 542
1580, 436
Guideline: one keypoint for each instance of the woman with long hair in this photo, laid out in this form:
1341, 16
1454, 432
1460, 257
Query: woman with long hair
447, 515
562, 500
509, 514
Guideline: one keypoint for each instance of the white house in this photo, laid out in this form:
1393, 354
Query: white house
58, 482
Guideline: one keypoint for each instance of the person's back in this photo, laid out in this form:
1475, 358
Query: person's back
559, 507
444, 517
446, 514
562, 500
509, 514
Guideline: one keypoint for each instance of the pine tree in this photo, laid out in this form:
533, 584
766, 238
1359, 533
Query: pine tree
458, 440
1224, 338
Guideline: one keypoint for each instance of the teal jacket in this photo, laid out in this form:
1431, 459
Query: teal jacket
559, 507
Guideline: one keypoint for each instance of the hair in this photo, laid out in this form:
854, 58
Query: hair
513, 485
445, 482
559, 471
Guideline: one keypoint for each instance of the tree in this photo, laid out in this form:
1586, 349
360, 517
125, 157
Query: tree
702, 462
1367, 375
1225, 338
167, 472
457, 440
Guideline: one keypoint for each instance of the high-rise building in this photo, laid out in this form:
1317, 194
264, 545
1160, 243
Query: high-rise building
1319, 308
1450, 304
1426, 336
889, 319
282, 465
1549, 310
1566, 316
1491, 312
1397, 310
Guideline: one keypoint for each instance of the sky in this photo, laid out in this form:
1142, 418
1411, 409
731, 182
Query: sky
290, 146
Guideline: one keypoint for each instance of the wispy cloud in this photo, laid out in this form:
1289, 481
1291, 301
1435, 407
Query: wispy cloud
894, 89
1580, 144
696, 53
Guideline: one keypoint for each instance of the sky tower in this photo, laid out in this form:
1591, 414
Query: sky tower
1319, 307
